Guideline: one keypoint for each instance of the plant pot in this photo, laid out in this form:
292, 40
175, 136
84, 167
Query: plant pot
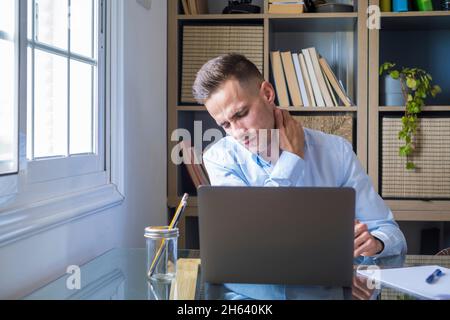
391, 92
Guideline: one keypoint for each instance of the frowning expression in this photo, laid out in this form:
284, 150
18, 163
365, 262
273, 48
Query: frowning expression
244, 111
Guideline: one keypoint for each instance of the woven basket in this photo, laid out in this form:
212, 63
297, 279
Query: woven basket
203, 43
338, 124
431, 179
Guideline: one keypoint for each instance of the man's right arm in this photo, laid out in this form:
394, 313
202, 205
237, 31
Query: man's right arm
287, 172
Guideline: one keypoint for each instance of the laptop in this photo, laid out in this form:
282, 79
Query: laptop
269, 235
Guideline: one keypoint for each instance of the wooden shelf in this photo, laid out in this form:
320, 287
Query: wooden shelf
342, 15
322, 109
202, 17
413, 14
424, 109
331, 15
422, 216
173, 202
291, 109
403, 210
191, 108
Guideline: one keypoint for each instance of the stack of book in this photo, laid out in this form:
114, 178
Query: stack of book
307, 79
194, 166
286, 7
193, 7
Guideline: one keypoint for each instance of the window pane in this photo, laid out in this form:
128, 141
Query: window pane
29, 104
80, 108
81, 27
52, 22
50, 108
7, 16
8, 108
30, 24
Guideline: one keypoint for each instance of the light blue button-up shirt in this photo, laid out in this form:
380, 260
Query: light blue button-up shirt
329, 161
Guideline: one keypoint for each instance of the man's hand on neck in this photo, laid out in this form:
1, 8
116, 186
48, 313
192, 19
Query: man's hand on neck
292, 135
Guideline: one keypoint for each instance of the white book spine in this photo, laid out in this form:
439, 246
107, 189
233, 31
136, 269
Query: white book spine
307, 80
312, 75
322, 84
301, 83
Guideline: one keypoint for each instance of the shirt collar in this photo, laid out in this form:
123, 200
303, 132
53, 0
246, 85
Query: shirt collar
260, 161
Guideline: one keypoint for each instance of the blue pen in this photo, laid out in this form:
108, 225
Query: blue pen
434, 276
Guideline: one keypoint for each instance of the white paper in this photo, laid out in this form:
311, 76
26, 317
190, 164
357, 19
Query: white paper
412, 281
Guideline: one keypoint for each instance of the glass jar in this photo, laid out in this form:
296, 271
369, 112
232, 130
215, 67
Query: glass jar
162, 245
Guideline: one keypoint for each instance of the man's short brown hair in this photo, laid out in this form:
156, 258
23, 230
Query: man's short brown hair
218, 70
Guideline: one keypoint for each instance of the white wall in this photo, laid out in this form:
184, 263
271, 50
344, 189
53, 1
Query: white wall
145, 119
27, 265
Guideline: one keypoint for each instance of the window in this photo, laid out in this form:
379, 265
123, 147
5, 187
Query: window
8, 87
53, 112
52, 97
65, 91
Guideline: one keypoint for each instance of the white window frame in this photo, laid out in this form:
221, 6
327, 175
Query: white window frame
6, 36
46, 197
75, 165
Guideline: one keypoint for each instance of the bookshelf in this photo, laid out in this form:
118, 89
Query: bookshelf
429, 33
342, 38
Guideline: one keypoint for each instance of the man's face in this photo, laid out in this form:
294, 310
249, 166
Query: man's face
245, 112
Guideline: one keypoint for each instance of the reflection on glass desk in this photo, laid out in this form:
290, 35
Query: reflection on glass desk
120, 275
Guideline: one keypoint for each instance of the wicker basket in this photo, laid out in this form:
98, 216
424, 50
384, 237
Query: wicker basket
431, 179
339, 124
202, 43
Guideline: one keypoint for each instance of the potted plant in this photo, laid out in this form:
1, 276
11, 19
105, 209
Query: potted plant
416, 86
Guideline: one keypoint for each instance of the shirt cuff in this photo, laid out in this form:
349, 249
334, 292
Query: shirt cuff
288, 169
386, 245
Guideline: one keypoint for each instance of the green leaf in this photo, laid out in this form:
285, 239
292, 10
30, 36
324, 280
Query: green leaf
405, 150
410, 166
411, 83
408, 139
410, 98
395, 74
404, 120
386, 66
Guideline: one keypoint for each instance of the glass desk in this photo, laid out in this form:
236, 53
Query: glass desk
120, 275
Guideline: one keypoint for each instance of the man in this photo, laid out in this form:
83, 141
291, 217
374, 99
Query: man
243, 104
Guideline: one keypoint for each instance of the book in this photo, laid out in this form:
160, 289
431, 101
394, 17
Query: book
291, 78
335, 83
314, 82
186, 9
203, 174
280, 82
202, 7
309, 89
194, 165
193, 7
320, 79
286, 7
301, 82
330, 89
